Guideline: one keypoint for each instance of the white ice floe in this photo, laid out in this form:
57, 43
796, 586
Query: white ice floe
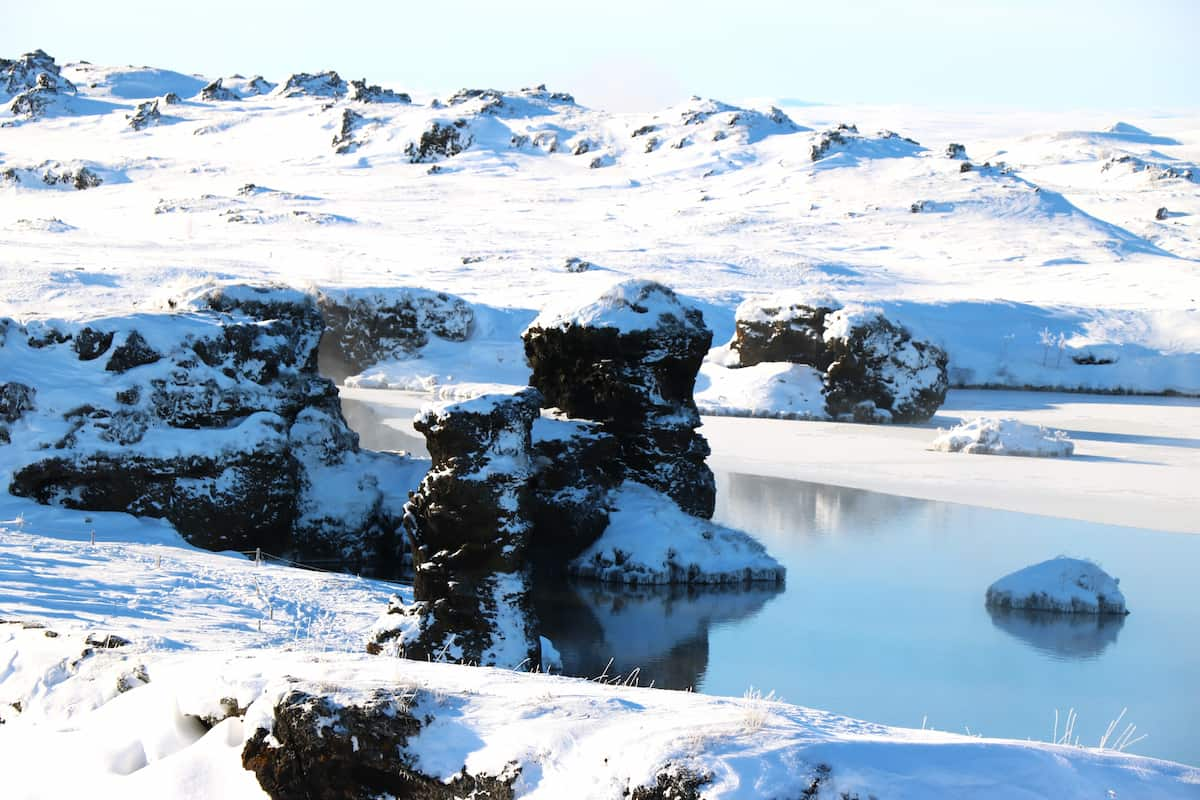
1005, 437
649, 539
1068, 585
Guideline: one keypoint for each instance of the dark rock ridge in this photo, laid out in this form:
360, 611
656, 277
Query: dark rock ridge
362, 92
629, 361
216, 420
216, 92
345, 141
52, 173
321, 84
366, 326
320, 747
874, 369
235, 87
468, 526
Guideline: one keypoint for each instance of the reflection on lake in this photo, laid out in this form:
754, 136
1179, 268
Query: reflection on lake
883, 618
1064, 636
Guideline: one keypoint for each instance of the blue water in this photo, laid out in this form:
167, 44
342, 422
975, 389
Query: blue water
882, 618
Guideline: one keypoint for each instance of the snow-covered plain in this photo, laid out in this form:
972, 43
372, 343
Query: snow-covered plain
1047, 268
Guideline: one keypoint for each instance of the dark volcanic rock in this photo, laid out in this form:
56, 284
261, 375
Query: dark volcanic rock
1161, 214
34, 82
440, 140
878, 371
577, 466
256, 452
366, 326
469, 527
787, 332
361, 92
321, 84
319, 747
956, 150
15, 400
874, 370
629, 360
133, 352
216, 92
344, 141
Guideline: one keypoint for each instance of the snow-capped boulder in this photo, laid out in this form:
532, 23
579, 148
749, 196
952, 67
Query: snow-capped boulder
629, 359
235, 87
878, 372
874, 370
1007, 437
215, 91
701, 120
634, 550
216, 419
440, 139
321, 84
1068, 585
317, 740
468, 526
366, 326
53, 174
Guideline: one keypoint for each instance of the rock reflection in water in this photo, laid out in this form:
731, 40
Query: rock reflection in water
662, 631
1065, 637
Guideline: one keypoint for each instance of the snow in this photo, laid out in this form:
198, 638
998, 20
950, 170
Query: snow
769, 389
1006, 437
650, 540
629, 306
1068, 585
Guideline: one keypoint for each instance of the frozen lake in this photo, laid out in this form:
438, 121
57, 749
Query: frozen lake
882, 618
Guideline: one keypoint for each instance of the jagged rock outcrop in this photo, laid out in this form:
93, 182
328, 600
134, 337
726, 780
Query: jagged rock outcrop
235, 87
216, 92
366, 326
321, 84
52, 173
956, 150
344, 141
441, 139
323, 745
629, 360
34, 82
874, 370
145, 115
15, 400
469, 527
217, 420
362, 92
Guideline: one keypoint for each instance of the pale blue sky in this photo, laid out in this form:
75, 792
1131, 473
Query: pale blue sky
1037, 54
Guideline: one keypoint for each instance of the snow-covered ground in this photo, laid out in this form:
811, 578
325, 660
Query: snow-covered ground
127, 719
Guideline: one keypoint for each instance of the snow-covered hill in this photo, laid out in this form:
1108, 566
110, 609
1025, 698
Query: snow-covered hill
1037, 225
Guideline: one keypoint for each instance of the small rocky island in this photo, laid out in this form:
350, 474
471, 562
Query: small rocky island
1062, 585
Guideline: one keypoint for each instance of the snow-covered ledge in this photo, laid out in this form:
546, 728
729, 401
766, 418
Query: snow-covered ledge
1067, 585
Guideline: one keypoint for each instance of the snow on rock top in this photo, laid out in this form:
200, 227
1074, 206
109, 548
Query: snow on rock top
1068, 585
780, 307
322, 84
1007, 437
30, 71
706, 120
629, 306
845, 141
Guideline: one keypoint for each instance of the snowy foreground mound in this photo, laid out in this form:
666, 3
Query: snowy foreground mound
633, 550
1005, 437
1063, 584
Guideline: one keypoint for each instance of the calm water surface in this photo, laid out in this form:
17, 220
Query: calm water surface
882, 618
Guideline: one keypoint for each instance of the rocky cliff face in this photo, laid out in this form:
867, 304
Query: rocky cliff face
212, 415
469, 528
629, 361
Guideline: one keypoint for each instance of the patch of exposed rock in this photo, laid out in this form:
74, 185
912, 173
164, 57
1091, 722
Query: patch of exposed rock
362, 92
346, 140
145, 115
34, 82
441, 139
322, 745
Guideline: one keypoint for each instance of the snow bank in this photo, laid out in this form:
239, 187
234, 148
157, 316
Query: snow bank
1005, 437
629, 306
649, 539
1062, 584
770, 389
